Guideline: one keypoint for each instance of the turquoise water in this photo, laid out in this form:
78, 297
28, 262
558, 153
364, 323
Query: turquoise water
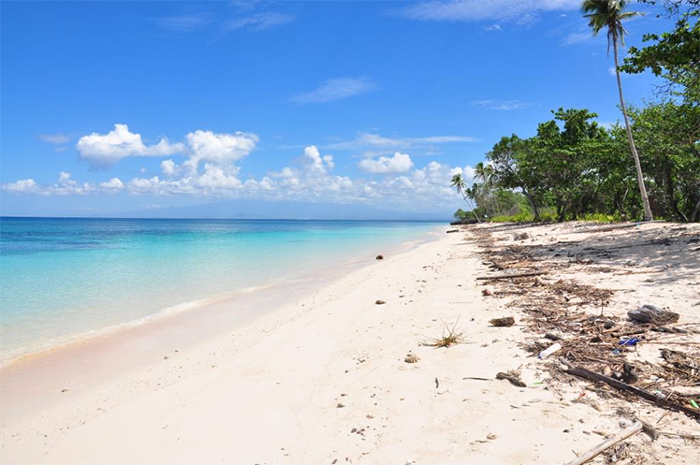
60, 278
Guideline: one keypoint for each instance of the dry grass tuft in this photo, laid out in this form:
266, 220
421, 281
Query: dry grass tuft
450, 337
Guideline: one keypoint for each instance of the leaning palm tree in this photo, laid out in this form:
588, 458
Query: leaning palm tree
458, 182
610, 14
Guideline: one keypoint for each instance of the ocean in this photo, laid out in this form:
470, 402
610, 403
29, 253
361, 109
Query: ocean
63, 278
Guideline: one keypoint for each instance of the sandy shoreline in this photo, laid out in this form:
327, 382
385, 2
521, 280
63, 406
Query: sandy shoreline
324, 378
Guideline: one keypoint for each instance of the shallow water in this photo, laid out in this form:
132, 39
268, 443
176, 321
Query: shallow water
61, 278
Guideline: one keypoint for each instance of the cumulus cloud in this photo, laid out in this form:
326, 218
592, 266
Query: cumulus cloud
310, 179
120, 143
219, 148
313, 161
112, 184
22, 185
398, 163
521, 11
168, 167
335, 89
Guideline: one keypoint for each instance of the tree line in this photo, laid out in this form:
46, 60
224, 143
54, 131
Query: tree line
574, 168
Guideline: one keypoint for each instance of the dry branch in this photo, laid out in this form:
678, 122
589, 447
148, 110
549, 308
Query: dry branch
619, 437
510, 276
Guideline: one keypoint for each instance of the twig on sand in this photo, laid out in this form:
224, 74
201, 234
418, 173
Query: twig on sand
510, 276
619, 437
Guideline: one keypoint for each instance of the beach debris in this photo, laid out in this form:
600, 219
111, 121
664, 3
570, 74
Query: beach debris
340, 405
437, 383
619, 437
452, 230
657, 398
512, 376
654, 315
411, 358
379, 257
486, 291
553, 336
520, 236
511, 276
379, 302
549, 351
505, 321
65, 390
491, 436
629, 341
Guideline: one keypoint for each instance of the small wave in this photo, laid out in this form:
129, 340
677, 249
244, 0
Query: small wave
14, 355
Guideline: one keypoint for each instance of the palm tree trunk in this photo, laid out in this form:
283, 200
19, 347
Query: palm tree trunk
640, 177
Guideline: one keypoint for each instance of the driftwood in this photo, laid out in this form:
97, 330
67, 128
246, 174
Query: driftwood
654, 315
660, 401
607, 228
513, 380
619, 437
509, 276
505, 321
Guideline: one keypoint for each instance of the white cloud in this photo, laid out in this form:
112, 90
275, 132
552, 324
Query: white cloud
259, 22
22, 185
112, 184
493, 27
313, 162
107, 149
335, 89
185, 23
375, 141
216, 177
521, 11
219, 148
63, 177
580, 37
56, 139
502, 104
168, 167
398, 163
311, 180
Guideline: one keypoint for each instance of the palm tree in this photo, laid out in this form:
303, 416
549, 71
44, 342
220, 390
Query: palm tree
458, 182
485, 174
610, 14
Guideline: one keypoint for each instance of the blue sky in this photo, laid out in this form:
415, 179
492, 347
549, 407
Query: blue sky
110, 107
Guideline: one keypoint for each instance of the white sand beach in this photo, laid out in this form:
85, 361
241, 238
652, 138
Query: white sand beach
324, 380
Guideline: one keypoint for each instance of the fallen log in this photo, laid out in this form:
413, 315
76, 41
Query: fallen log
510, 276
619, 437
660, 401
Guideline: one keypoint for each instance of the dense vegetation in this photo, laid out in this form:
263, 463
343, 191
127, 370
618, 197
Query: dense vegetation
573, 168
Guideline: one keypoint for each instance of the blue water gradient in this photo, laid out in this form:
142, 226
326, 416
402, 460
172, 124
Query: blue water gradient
60, 277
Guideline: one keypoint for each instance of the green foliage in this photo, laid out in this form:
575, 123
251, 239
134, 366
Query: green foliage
673, 55
575, 169
601, 218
